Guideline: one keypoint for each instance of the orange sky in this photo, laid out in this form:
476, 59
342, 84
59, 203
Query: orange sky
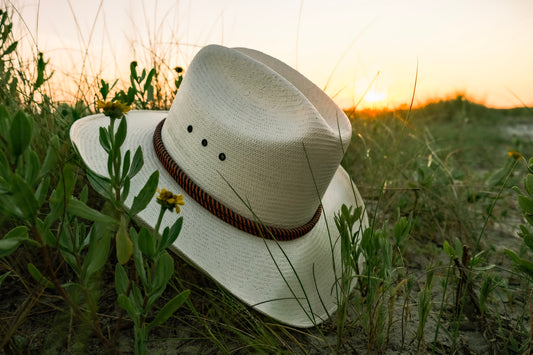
477, 47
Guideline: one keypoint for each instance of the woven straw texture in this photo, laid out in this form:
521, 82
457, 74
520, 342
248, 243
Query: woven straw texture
261, 121
260, 114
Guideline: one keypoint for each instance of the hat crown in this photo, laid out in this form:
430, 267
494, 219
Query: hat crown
246, 127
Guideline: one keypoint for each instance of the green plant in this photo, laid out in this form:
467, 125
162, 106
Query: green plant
525, 201
49, 221
141, 90
345, 220
424, 307
154, 267
52, 221
382, 279
153, 264
8, 82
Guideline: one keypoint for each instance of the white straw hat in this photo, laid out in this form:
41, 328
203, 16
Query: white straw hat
248, 139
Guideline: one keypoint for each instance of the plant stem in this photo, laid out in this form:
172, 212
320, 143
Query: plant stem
159, 219
115, 155
61, 290
141, 338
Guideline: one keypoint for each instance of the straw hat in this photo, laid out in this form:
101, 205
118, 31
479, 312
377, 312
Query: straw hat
255, 148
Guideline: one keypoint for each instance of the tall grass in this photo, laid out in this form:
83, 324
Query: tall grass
436, 183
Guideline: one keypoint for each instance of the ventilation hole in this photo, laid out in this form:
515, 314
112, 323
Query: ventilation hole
189, 128
222, 156
204, 142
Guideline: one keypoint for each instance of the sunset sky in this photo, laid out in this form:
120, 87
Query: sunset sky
480, 48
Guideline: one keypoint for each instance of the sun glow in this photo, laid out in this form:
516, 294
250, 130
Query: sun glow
374, 100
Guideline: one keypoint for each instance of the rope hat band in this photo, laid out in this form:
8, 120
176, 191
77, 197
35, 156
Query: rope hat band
218, 209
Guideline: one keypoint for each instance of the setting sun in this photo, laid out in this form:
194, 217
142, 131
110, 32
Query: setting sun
374, 100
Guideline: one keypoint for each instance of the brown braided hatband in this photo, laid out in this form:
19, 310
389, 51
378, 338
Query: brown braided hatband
218, 209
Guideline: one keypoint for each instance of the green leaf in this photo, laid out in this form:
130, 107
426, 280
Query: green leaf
175, 231
56, 203
137, 163
123, 242
528, 237
526, 204
136, 298
164, 269
68, 179
41, 66
84, 237
138, 258
25, 205
121, 280
146, 243
104, 89
146, 194
125, 165
42, 191
110, 159
130, 96
524, 265
148, 87
99, 245
133, 71
38, 276
401, 228
73, 287
65, 241
32, 167
20, 133
125, 303
8, 246
528, 240
143, 74
84, 194
100, 184
125, 189
43, 228
448, 249
150, 93
80, 209
20, 232
170, 235
529, 219
50, 239
5, 171
5, 120
120, 135
169, 309
104, 139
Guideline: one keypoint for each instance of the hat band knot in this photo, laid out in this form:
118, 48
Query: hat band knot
218, 209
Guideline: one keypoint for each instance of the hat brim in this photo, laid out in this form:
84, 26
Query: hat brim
293, 282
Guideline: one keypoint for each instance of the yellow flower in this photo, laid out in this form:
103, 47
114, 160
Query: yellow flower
170, 201
514, 154
113, 109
